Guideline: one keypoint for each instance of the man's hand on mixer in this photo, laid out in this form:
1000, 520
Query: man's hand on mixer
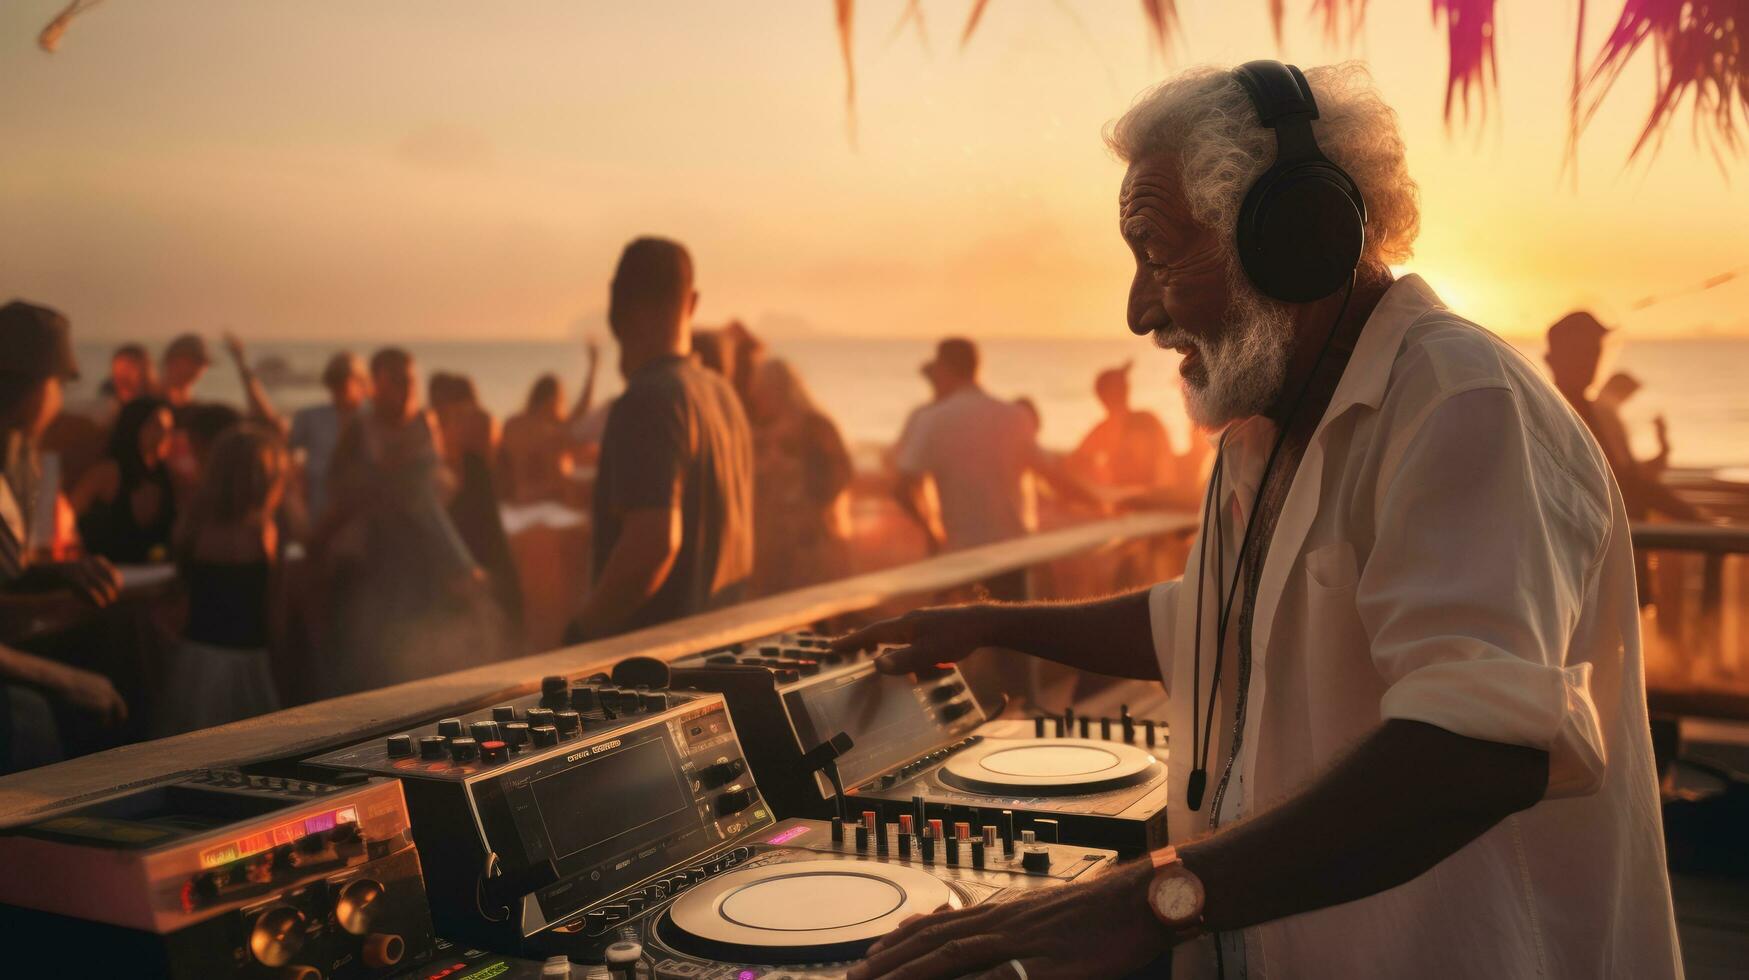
941, 634
1099, 928
1111, 636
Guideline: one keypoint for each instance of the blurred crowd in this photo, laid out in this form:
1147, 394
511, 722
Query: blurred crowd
169, 563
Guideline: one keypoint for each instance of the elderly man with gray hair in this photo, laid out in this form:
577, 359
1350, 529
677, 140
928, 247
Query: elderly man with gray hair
1407, 711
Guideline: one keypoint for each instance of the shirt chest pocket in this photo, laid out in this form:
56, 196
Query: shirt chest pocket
1342, 686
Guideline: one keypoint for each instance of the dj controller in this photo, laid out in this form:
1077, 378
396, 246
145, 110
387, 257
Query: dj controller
766, 810
920, 740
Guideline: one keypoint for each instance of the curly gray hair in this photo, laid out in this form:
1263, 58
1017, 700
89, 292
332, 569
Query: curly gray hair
1203, 115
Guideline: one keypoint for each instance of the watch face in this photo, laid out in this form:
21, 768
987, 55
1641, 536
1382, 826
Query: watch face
1175, 898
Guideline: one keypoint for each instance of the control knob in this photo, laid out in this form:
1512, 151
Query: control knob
433, 747
516, 734
483, 731
539, 716
503, 713
463, 749
654, 701
721, 774
569, 723
583, 698
544, 736
955, 711
450, 727
493, 751
735, 800
552, 690
400, 746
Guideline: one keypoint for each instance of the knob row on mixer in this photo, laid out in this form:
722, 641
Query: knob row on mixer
560, 716
1070, 725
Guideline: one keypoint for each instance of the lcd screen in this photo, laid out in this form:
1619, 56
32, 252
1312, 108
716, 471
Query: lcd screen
634, 788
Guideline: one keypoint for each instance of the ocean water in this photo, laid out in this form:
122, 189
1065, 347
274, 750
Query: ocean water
868, 385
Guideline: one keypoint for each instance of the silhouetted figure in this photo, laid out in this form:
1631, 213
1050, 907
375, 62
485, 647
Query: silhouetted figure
801, 484
1129, 447
226, 548
977, 448
673, 508
127, 501
315, 431
1574, 355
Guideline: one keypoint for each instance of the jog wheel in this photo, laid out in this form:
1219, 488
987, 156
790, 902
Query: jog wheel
277, 936
802, 912
359, 903
1048, 767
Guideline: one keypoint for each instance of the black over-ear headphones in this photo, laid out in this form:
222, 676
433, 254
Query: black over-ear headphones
1303, 223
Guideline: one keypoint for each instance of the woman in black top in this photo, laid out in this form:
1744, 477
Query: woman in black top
126, 502
226, 546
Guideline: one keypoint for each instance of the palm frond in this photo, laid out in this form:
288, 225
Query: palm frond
1698, 50
1470, 69
50, 38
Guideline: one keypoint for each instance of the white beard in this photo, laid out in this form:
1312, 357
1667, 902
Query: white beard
1243, 370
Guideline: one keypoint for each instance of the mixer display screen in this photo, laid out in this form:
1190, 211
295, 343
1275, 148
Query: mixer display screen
646, 788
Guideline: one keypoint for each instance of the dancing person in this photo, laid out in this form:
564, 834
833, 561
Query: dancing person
315, 430
226, 550
470, 439
1129, 447
673, 507
977, 449
404, 589
254, 392
535, 457
127, 501
1418, 746
184, 363
801, 485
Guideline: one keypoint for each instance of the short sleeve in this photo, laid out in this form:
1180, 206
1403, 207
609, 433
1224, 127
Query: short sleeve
1484, 549
1163, 624
911, 456
299, 438
645, 449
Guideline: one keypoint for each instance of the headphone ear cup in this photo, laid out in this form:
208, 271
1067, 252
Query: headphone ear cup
1301, 232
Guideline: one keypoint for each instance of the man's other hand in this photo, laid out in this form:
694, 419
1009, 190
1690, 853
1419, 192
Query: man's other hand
1100, 928
943, 634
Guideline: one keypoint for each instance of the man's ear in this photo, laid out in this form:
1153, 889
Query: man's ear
692, 303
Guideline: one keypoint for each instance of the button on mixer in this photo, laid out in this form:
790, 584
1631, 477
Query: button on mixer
400, 746
450, 727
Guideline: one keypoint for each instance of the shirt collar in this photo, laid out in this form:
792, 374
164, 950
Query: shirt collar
1369, 367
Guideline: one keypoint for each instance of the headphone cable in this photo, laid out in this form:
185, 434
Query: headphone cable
1198, 781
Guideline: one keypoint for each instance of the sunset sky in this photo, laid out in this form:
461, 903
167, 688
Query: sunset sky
446, 169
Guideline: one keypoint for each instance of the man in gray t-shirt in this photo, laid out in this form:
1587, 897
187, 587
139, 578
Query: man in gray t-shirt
673, 510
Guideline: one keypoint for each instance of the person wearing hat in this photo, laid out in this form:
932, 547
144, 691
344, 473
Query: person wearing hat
1129, 447
36, 356
1575, 353
978, 449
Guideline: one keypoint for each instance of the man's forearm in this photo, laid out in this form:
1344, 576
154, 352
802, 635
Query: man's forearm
1406, 798
1111, 636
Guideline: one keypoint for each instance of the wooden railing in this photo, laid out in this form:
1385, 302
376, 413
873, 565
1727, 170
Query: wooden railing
310, 727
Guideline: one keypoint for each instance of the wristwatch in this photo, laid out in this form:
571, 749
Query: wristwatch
1175, 894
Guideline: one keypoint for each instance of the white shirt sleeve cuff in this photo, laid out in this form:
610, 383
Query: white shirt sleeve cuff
1502, 698
1162, 622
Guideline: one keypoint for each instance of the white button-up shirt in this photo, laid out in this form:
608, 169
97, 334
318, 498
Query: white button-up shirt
1452, 551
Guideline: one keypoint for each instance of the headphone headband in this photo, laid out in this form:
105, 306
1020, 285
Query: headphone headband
1302, 224
1280, 92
